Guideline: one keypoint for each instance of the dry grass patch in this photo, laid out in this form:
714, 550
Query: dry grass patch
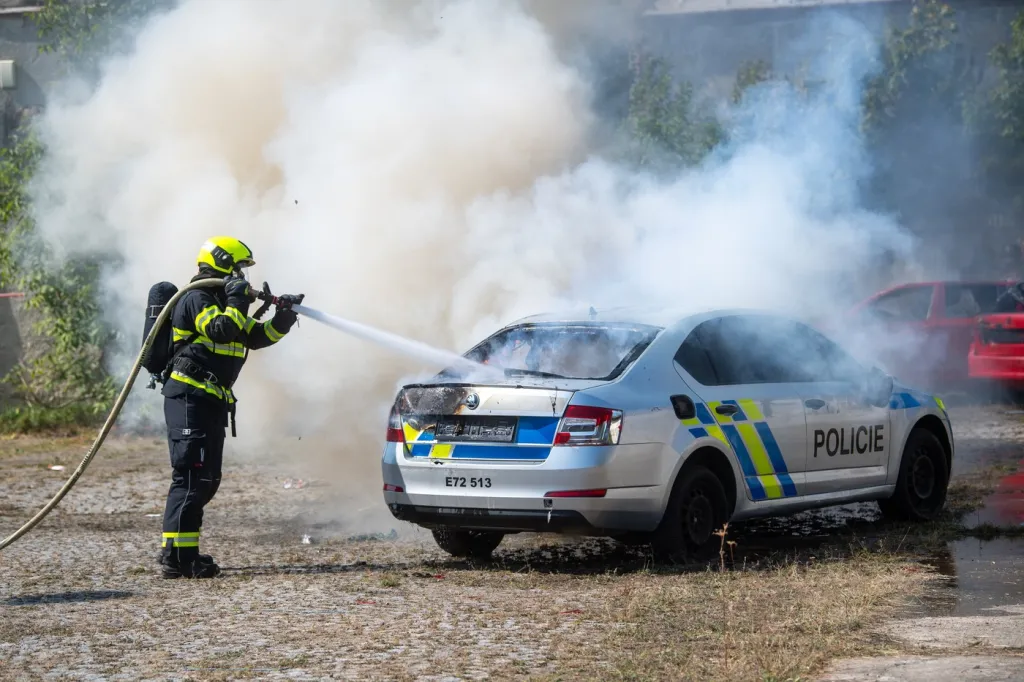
784, 623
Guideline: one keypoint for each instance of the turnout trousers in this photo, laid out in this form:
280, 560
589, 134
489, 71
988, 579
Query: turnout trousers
195, 435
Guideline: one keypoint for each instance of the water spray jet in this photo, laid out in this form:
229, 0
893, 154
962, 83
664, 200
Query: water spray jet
409, 347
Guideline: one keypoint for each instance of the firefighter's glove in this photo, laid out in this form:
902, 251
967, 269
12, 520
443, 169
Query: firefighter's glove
239, 293
286, 301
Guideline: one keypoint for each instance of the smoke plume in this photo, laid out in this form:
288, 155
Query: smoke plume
429, 168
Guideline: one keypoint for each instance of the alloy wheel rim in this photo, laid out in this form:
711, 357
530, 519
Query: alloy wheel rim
922, 479
699, 518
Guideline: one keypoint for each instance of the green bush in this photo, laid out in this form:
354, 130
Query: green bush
50, 420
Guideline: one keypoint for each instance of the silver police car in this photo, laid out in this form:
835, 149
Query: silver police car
627, 425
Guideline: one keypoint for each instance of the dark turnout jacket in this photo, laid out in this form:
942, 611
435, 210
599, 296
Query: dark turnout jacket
212, 335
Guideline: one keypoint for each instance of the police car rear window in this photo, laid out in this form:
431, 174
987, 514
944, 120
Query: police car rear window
565, 351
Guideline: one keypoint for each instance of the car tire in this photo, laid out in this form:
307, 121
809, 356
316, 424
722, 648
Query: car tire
697, 508
923, 480
468, 544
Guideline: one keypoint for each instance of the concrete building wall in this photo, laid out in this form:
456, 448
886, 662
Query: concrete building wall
708, 40
19, 41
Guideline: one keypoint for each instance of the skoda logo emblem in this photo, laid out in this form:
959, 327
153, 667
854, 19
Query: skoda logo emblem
472, 401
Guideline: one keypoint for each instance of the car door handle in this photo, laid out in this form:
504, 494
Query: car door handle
815, 403
727, 409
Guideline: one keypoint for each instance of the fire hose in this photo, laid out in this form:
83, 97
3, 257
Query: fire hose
116, 409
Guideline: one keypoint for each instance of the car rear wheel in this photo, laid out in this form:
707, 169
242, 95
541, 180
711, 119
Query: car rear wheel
474, 544
696, 509
923, 480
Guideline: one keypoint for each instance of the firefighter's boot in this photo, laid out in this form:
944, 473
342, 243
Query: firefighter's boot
203, 558
189, 567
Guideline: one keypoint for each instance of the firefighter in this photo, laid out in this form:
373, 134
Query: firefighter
212, 333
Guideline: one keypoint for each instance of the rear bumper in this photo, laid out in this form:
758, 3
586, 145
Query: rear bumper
511, 495
511, 520
1007, 366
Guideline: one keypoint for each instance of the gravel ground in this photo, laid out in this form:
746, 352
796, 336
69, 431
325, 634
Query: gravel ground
81, 596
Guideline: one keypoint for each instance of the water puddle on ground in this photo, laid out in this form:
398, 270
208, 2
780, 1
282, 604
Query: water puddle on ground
1005, 506
984, 574
979, 575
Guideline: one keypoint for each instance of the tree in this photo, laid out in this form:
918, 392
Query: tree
914, 122
998, 122
67, 373
665, 126
749, 75
82, 32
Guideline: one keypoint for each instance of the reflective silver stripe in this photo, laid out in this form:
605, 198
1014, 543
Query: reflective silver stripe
272, 334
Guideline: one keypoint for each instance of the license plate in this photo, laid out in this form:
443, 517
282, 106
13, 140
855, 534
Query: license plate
476, 429
467, 482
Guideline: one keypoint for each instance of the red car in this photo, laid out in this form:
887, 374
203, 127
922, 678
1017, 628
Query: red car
997, 351
923, 332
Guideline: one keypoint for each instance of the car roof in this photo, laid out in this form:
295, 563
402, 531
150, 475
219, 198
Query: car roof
650, 316
941, 282
945, 282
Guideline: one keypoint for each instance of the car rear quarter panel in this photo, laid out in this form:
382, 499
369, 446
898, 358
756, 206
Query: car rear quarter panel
644, 394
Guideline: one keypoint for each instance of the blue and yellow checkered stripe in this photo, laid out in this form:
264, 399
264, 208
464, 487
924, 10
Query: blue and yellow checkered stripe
747, 434
905, 401
534, 437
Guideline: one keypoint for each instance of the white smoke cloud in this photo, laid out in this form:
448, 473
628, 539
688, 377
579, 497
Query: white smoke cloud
423, 167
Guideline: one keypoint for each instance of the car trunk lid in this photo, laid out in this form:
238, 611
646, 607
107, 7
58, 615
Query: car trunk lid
492, 422
1000, 334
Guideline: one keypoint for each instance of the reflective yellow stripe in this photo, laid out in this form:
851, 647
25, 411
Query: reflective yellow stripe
233, 349
715, 431
411, 434
236, 316
772, 487
942, 405
272, 334
202, 385
204, 317
751, 409
441, 451
763, 465
250, 323
690, 422
207, 315
190, 539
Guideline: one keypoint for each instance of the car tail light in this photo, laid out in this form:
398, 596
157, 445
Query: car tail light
388, 488
395, 432
597, 492
584, 425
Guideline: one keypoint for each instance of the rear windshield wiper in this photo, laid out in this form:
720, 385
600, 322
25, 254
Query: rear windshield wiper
532, 373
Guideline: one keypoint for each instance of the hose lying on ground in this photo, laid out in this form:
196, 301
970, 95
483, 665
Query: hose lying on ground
114, 411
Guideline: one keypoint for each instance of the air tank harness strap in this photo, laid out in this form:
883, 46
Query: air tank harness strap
193, 370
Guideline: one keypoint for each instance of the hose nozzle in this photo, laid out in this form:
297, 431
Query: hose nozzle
268, 300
